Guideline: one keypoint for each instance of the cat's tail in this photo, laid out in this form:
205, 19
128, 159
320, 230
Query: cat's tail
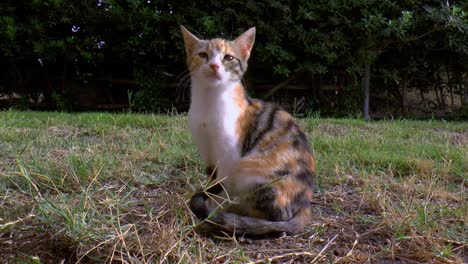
229, 222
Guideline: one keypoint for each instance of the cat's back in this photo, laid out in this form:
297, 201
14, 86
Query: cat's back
277, 168
268, 126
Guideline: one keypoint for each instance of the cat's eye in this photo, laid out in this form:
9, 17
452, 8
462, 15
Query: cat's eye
228, 58
203, 55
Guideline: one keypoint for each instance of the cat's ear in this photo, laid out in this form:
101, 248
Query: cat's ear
245, 42
189, 39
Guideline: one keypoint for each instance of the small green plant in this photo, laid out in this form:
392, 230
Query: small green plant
130, 100
151, 94
462, 113
28, 260
21, 104
444, 252
59, 101
66, 102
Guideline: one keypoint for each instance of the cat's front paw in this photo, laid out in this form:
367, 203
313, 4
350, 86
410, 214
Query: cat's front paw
198, 206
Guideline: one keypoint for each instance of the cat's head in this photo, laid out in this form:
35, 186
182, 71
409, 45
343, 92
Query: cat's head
218, 61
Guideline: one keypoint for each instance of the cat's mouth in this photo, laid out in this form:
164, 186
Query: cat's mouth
214, 76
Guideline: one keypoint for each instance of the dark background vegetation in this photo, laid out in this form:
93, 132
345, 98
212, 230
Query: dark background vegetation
311, 56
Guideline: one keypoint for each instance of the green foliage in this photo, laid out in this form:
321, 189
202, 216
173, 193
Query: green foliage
21, 104
65, 102
149, 98
405, 42
462, 113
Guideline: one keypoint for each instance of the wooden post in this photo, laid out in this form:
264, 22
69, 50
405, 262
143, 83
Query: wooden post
465, 90
365, 110
404, 104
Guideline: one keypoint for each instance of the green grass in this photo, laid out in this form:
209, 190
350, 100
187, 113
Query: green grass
100, 187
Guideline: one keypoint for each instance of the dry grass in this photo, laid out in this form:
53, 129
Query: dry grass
112, 188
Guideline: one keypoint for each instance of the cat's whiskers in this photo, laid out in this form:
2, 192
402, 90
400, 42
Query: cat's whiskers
183, 84
184, 81
182, 77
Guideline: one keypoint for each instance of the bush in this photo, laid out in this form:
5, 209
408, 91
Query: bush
150, 97
418, 45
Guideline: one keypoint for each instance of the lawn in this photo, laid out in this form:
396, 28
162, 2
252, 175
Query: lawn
101, 187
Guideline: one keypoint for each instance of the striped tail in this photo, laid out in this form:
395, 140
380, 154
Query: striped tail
232, 223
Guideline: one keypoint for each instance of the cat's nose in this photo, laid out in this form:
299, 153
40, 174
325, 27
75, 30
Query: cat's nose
214, 67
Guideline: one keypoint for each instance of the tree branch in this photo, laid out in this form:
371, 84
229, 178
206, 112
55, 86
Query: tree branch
281, 85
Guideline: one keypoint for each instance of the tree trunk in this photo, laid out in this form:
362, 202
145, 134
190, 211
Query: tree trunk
423, 100
449, 85
440, 87
280, 86
437, 94
451, 97
365, 110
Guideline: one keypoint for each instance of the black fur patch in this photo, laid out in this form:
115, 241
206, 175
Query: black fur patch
269, 125
262, 124
235, 67
299, 201
306, 177
240, 65
283, 136
300, 140
265, 201
211, 172
198, 206
247, 144
282, 172
247, 98
215, 189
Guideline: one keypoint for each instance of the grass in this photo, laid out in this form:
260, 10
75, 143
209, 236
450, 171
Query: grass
111, 188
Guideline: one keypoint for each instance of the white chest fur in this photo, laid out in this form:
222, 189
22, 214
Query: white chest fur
213, 116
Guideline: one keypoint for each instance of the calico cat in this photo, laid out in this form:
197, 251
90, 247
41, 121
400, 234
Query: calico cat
262, 171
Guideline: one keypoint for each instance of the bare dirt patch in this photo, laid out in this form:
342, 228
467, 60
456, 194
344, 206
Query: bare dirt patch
459, 138
30, 239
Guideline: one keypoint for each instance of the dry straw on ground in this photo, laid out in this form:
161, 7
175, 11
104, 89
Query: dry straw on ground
113, 188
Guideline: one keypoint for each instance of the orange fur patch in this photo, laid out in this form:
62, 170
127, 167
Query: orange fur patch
239, 97
225, 47
245, 120
287, 188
